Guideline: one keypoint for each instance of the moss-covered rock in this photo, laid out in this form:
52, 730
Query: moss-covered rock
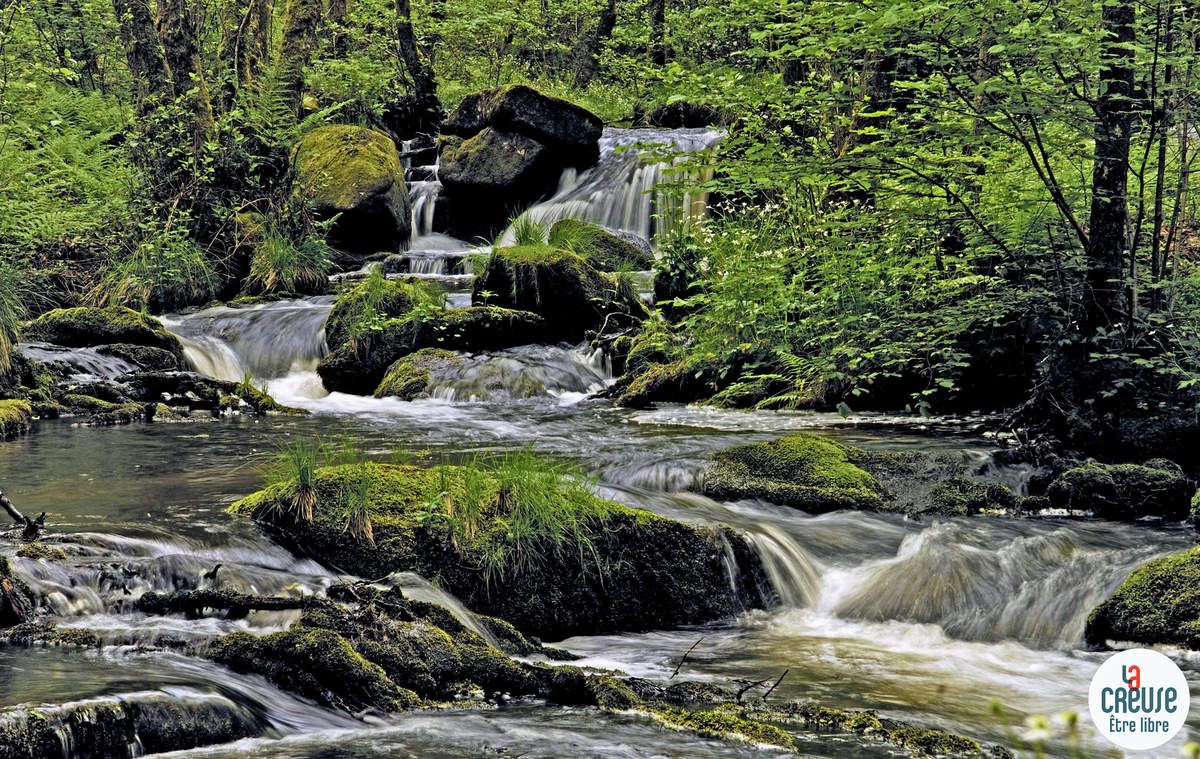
560, 286
1158, 603
683, 380
146, 357
600, 247
363, 306
409, 377
15, 418
805, 471
89, 327
360, 367
503, 149
354, 174
583, 565
962, 496
1125, 491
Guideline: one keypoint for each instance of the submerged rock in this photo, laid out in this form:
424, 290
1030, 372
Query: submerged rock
409, 377
359, 366
84, 327
573, 297
805, 471
354, 174
1125, 491
505, 148
1158, 604
537, 550
602, 248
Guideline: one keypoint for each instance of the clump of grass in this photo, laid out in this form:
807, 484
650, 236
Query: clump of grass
281, 265
356, 498
12, 311
527, 231
165, 272
295, 467
577, 238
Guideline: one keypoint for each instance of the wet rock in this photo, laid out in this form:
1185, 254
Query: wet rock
369, 301
505, 148
409, 377
1158, 604
146, 357
602, 248
89, 327
16, 600
356, 175
589, 566
573, 297
683, 380
805, 471
1125, 491
359, 366
16, 416
963, 496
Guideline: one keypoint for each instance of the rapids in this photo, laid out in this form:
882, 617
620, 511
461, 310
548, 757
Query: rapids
924, 621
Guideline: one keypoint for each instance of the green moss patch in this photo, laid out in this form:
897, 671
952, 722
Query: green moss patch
365, 306
1158, 603
805, 471
86, 327
409, 377
521, 541
15, 418
1125, 491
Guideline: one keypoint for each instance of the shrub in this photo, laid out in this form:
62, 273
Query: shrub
166, 271
281, 265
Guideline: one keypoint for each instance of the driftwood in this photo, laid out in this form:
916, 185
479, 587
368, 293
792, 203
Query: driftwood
30, 528
193, 603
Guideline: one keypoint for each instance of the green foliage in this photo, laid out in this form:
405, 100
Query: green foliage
12, 312
164, 272
281, 265
527, 231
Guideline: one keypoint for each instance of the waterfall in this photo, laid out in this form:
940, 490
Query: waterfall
87, 363
264, 341
794, 577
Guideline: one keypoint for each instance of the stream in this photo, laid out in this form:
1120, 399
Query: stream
925, 621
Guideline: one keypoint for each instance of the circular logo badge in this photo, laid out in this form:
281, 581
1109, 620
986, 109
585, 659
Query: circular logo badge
1139, 699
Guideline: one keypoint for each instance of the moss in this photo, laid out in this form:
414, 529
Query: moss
145, 357
960, 496
863, 723
360, 368
15, 418
495, 161
598, 246
315, 663
724, 722
805, 471
684, 380
1158, 603
612, 694
408, 377
573, 296
39, 550
619, 568
83, 327
1124, 491
369, 301
354, 176
933, 742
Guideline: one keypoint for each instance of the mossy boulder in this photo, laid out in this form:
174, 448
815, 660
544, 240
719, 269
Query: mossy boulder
15, 418
85, 327
682, 380
409, 377
146, 357
522, 109
503, 149
600, 247
549, 557
804, 471
963, 496
354, 174
1158, 604
1125, 491
367, 302
359, 367
571, 295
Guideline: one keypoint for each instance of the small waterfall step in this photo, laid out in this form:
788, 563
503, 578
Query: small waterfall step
429, 262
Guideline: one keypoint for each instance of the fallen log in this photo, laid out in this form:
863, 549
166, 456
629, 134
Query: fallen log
30, 528
193, 603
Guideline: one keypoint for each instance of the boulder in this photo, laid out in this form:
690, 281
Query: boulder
15, 418
1125, 491
602, 248
84, 327
361, 366
1158, 604
354, 174
370, 300
520, 109
504, 149
573, 297
409, 377
567, 563
145, 357
804, 471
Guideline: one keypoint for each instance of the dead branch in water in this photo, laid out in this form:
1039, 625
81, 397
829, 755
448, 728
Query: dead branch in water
30, 528
685, 656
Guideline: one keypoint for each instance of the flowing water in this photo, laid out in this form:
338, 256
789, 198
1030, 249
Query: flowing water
927, 621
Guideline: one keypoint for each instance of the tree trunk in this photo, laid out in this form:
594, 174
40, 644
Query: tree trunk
144, 52
177, 29
587, 51
302, 19
420, 73
658, 32
338, 11
1108, 226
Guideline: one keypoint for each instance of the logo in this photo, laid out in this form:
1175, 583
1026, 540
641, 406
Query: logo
1139, 699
